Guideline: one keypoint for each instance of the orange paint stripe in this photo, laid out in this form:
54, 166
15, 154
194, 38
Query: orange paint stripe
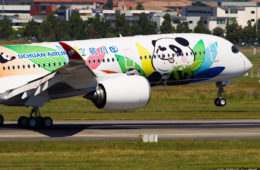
108, 71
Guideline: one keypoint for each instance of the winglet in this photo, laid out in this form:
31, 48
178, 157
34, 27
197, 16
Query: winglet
71, 52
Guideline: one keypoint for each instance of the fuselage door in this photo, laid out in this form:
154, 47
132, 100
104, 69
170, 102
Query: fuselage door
212, 50
128, 54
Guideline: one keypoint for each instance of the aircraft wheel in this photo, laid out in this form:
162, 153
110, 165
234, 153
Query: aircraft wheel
47, 122
222, 102
217, 102
32, 122
23, 122
1, 120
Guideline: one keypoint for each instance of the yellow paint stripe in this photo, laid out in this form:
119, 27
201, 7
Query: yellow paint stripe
146, 63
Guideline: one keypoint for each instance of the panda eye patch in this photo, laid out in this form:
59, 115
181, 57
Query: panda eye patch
176, 49
162, 48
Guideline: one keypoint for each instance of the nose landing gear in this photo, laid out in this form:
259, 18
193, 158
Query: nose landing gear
220, 101
35, 120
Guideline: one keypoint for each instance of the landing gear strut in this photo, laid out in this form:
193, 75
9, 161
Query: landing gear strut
1, 120
35, 120
220, 101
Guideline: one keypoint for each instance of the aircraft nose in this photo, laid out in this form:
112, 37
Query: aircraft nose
247, 65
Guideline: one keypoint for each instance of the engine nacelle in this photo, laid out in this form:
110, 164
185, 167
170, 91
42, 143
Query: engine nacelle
121, 93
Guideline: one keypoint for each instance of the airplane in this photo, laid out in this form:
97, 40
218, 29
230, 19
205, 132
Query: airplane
114, 73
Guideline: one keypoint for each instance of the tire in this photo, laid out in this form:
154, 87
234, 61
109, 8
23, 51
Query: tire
222, 102
23, 122
47, 122
1, 120
217, 102
32, 122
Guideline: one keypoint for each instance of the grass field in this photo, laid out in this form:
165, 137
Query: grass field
179, 154
175, 102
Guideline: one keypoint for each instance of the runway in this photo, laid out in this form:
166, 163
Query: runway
132, 129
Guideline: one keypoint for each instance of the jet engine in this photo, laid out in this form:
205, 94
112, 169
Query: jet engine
121, 93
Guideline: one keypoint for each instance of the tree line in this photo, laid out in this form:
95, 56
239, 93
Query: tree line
54, 29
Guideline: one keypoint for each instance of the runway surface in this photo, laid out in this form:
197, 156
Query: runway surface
132, 129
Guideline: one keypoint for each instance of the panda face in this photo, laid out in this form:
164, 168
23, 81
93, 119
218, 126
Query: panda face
4, 57
171, 52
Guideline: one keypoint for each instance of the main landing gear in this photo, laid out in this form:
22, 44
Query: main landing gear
1, 120
220, 101
35, 120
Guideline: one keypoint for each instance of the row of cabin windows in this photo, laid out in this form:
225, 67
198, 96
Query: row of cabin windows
169, 55
98, 60
33, 66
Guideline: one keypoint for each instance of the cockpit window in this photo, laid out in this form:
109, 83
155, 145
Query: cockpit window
234, 49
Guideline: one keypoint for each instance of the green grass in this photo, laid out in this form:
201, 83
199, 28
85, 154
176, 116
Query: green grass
181, 154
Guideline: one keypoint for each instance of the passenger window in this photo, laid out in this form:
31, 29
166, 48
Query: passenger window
150, 56
187, 54
113, 59
145, 57
13, 67
54, 64
44, 65
200, 53
94, 61
33, 65
154, 56
28, 65
49, 64
18, 67
89, 61
8, 67
140, 57
159, 55
108, 60
163, 56
117, 59
64, 63
3, 68
98, 60
23, 66
39, 65
103, 60
172, 55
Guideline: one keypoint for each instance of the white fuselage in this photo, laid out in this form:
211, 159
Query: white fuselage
167, 59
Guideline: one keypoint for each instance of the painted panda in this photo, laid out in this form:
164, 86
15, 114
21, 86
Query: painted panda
4, 58
168, 54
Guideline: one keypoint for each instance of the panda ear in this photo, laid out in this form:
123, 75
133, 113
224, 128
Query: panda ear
182, 41
154, 42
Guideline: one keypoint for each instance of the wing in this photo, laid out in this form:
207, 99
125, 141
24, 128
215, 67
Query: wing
76, 74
